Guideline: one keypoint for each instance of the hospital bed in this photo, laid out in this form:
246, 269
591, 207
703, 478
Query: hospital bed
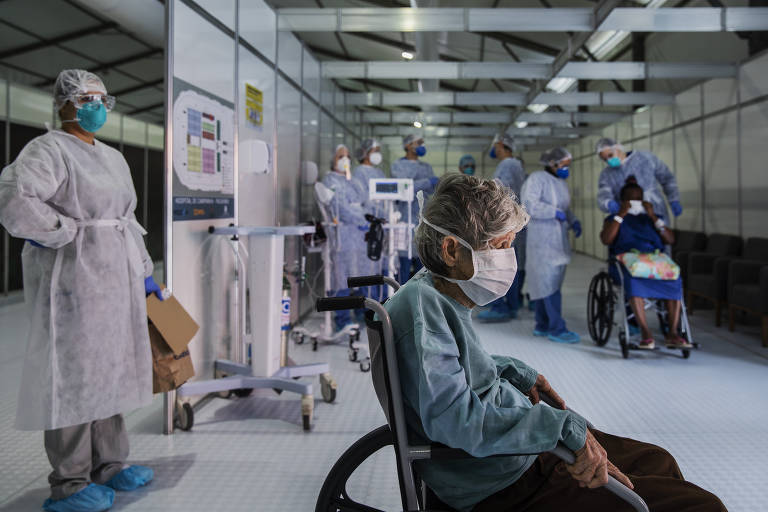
415, 496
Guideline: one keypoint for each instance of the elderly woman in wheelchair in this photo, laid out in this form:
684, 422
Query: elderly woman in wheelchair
636, 237
457, 394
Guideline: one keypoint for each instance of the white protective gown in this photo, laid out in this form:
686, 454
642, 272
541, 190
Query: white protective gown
547, 245
88, 355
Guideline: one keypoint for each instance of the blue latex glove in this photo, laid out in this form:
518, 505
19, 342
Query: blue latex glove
613, 207
560, 215
150, 286
576, 227
363, 227
677, 208
35, 244
131, 478
93, 497
433, 180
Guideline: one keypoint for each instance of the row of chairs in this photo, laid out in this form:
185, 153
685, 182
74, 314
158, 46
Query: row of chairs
727, 271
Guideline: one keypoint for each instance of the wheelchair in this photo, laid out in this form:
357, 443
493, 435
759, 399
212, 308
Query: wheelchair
414, 494
606, 296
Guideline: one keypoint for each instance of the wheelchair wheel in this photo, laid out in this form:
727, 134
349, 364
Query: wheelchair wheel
600, 305
624, 344
333, 495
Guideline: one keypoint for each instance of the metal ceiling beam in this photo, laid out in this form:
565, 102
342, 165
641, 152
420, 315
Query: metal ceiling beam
487, 131
146, 108
44, 43
632, 19
114, 63
377, 99
525, 70
478, 142
495, 118
134, 88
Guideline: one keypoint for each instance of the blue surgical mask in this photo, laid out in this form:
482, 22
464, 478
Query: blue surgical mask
421, 151
492, 154
92, 116
563, 172
469, 170
614, 161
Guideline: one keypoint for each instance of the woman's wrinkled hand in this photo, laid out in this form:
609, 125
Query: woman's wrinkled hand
590, 468
542, 386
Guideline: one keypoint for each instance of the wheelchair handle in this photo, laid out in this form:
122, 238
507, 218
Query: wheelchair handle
339, 303
376, 280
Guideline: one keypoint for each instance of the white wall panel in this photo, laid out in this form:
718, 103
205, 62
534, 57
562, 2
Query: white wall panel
719, 94
663, 116
641, 122
257, 26
688, 160
754, 181
721, 207
688, 104
311, 76
754, 78
289, 55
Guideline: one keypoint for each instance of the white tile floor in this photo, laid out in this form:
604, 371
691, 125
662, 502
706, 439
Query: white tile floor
710, 411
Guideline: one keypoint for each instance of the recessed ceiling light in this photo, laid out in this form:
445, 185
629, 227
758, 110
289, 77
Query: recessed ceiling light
407, 55
417, 124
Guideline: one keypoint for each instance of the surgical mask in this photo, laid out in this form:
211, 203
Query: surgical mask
421, 151
636, 207
375, 158
494, 269
492, 154
91, 116
563, 172
342, 166
614, 161
469, 170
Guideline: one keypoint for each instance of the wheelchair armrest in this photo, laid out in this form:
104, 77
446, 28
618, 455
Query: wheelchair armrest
339, 303
441, 452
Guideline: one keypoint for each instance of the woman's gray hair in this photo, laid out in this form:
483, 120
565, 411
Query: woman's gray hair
474, 209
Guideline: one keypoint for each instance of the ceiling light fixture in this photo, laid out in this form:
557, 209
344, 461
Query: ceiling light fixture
407, 55
417, 124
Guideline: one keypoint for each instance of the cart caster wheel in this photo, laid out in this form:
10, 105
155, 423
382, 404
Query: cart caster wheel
314, 344
185, 417
352, 354
686, 353
328, 388
365, 366
297, 338
243, 392
357, 335
306, 421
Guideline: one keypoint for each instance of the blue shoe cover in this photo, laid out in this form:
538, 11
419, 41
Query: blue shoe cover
131, 478
537, 332
93, 498
565, 337
495, 314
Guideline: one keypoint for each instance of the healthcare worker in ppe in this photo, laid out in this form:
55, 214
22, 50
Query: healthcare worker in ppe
546, 198
467, 165
87, 273
369, 158
651, 173
424, 180
510, 173
348, 238
457, 394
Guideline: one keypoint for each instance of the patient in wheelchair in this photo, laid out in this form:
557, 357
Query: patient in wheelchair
457, 394
637, 232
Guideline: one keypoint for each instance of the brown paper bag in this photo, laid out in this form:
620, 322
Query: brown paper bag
170, 331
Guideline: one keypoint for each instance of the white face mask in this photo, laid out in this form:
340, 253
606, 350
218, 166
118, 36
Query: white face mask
375, 158
343, 166
636, 207
494, 269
